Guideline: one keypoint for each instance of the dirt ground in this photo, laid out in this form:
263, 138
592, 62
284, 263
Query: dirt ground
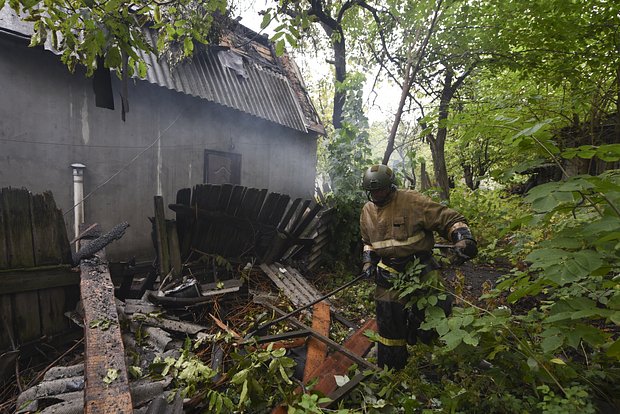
477, 278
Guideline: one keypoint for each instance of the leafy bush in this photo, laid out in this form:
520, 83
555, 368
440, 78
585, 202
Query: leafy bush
494, 218
346, 156
546, 339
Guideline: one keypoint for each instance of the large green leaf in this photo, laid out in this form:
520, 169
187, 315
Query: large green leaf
454, 338
614, 350
552, 343
562, 266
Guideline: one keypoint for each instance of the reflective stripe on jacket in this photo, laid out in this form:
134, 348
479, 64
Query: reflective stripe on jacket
406, 224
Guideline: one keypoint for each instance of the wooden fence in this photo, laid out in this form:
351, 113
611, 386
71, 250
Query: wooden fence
37, 284
236, 221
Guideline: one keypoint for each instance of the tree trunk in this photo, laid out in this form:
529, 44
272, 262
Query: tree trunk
438, 143
439, 163
425, 183
399, 112
468, 174
410, 74
340, 63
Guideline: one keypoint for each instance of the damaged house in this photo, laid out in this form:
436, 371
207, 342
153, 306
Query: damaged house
235, 113
226, 142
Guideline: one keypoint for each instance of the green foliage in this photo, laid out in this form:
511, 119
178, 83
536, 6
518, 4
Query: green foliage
575, 401
257, 380
310, 403
261, 379
546, 339
83, 31
422, 291
495, 218
346, 156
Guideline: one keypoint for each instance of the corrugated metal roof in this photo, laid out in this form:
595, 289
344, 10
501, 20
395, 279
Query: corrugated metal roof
264, 93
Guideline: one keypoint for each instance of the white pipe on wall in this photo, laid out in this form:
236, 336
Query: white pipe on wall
78, 196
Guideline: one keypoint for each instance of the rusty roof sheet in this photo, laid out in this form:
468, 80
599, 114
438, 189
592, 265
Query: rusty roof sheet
264, 93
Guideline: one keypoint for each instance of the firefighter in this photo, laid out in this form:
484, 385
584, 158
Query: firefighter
397, 227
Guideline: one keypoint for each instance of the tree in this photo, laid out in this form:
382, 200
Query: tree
432, 57
111, 33
336, 19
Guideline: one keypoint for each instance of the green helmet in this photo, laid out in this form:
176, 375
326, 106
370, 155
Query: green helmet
378, 177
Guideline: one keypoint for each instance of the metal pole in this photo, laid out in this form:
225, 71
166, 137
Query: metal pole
78, 198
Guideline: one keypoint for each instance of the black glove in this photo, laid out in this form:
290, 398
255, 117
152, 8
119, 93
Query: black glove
370, 260
465, 245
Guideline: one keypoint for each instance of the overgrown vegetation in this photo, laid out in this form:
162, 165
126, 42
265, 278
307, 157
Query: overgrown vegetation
501, 89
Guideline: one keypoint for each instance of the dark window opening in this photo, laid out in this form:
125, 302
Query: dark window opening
222, 167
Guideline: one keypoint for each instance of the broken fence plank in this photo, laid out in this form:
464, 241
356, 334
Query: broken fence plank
310, 215
268, 207
254, 213
298, 216
235, 199
16, 210
174, 249
317, 350
338, 364
289, 214
45, 277
224, 199
278, 210
45, 241
161, 236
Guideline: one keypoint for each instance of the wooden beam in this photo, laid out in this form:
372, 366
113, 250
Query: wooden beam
161, 236
332, 344
174, 248
18, 223
317, 350
45, 277
338, 364
106, 383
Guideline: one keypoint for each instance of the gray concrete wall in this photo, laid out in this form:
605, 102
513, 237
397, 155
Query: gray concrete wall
48, 120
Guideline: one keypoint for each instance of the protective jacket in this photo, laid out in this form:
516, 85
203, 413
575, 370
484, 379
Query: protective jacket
399, 230
404, 225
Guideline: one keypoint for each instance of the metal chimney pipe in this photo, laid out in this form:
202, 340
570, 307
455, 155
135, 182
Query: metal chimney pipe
78, 197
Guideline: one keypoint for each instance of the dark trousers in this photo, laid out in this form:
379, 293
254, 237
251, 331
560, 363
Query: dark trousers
398, 325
